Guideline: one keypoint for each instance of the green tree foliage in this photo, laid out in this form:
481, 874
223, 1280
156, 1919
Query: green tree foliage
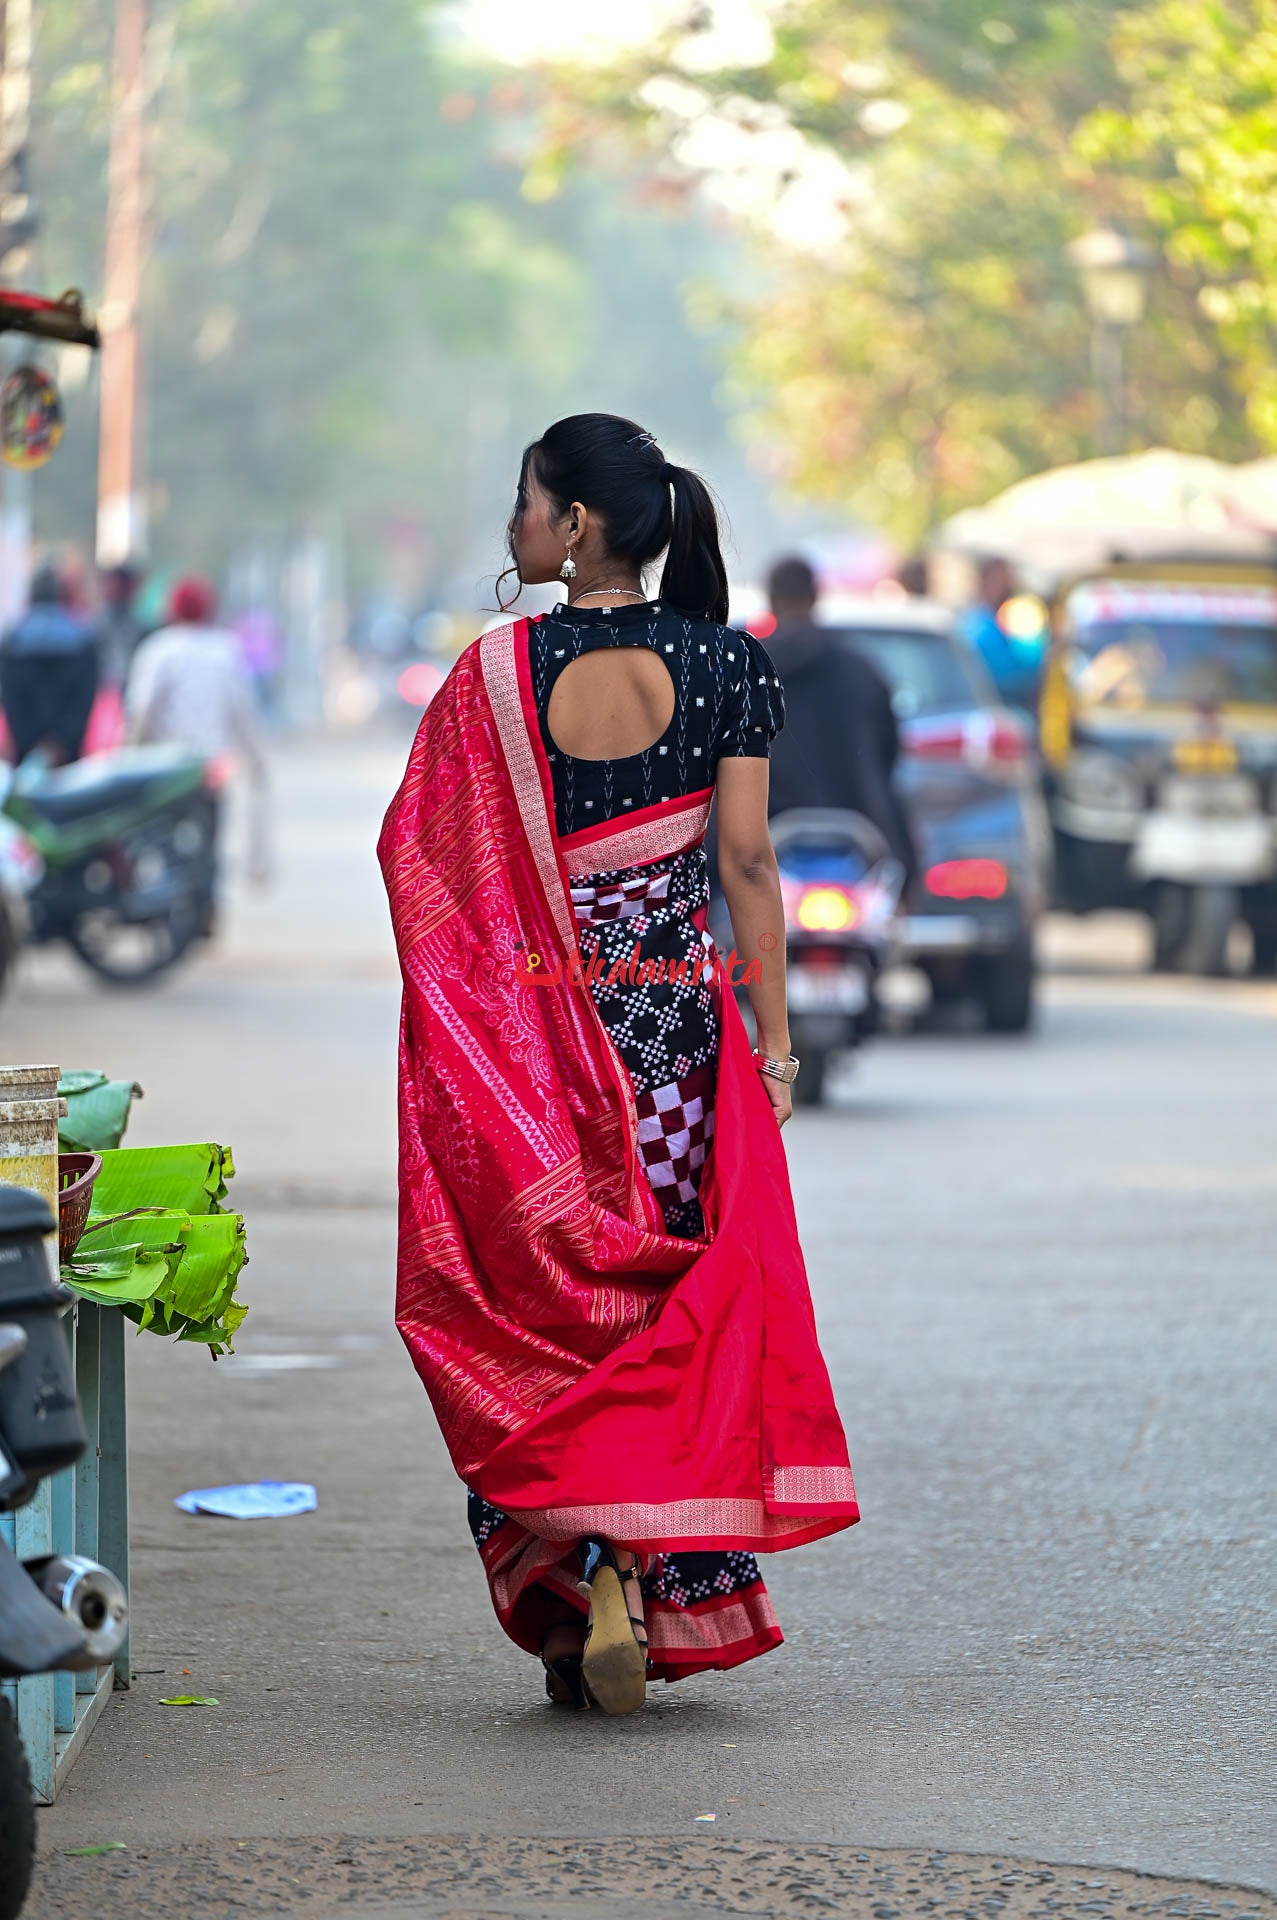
1197, 145
943, 350
357, 304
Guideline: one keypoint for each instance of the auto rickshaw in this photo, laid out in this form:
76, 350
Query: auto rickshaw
1158, 732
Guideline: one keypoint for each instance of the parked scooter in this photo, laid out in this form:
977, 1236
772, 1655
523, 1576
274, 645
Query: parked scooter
56, 1614
841, 887
119, 852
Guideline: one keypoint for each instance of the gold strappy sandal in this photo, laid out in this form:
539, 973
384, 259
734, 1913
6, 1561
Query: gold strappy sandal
614, 1666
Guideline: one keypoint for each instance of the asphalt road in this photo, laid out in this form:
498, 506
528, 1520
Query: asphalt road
1044, 1277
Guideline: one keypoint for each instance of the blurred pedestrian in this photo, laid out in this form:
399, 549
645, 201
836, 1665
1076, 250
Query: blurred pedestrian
117, 630
1014, 668
48, 673
840, 744
187, 687
261, 653
120, 628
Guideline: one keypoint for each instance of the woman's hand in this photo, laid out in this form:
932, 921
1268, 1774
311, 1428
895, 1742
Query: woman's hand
780, 1096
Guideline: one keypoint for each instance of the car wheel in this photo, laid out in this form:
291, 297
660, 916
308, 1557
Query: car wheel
1211, 913
1263, 942
1006, 988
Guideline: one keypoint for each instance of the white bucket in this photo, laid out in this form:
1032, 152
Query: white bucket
29, 1113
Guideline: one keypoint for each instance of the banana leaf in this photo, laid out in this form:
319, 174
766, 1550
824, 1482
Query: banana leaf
191, 1179
193, 1260
97, 1111
119, 1276
209, 1271
155, 1228
221, 1335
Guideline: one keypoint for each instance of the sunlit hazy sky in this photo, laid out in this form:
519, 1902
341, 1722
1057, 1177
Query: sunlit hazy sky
521, 31
765, 175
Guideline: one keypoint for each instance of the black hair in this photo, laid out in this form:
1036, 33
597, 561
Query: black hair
792, 578
616, 469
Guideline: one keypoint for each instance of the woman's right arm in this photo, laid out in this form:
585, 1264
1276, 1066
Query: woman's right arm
751, 887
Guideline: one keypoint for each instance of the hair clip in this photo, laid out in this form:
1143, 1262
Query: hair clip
643, 439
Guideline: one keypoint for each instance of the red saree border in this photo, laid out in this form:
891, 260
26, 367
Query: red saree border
502, 652
653, 833
808, 1487
507, 678
714, 1637
747, 1525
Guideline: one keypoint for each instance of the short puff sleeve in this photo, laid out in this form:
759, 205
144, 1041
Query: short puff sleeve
753, 710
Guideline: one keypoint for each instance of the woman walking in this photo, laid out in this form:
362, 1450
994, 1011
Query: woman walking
600, 1281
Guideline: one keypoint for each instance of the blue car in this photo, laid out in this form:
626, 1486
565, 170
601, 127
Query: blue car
969, 776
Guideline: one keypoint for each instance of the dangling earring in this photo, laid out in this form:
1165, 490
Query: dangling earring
568, 570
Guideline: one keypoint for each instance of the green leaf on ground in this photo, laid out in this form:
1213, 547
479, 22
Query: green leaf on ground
84, 1853
191, 1700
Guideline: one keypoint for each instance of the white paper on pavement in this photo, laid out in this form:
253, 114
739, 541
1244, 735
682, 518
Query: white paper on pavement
255, 1500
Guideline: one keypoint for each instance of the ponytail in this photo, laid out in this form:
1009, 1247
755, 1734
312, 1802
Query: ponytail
695, 579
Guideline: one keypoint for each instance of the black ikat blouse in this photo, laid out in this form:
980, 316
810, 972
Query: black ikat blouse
728, 702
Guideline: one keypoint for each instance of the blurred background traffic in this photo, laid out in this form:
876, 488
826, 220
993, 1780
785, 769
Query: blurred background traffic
967, 314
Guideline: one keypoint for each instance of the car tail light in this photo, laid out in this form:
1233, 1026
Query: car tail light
992, 743
967, 880
826, 909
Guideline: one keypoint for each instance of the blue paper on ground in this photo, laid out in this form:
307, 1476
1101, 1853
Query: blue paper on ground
256, 1500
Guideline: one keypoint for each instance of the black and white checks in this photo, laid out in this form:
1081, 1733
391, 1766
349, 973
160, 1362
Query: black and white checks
634, 923
622, 899
676, 1123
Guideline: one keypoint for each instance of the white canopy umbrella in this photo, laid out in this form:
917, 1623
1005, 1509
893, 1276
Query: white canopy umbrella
1133, 505
1153, 489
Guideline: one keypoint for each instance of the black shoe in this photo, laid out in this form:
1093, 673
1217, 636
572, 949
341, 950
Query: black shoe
565, 1682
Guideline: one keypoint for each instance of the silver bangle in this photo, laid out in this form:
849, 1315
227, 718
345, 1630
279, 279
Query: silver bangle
783, 1070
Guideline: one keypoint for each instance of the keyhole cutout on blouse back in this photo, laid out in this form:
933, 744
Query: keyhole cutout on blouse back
610, 704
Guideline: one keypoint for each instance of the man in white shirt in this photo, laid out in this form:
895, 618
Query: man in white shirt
187, 688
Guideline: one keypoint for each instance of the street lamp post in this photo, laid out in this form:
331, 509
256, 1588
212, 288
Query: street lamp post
1114, 271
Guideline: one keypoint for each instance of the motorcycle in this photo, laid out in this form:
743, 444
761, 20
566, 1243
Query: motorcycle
117, 856
841, 887
58, 1613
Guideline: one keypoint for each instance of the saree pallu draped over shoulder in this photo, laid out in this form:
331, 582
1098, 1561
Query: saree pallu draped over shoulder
592, 1373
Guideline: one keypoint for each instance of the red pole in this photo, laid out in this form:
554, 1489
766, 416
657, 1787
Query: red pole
121, 500
16, 235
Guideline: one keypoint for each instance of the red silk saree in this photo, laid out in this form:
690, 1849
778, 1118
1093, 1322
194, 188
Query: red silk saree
591, 1373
